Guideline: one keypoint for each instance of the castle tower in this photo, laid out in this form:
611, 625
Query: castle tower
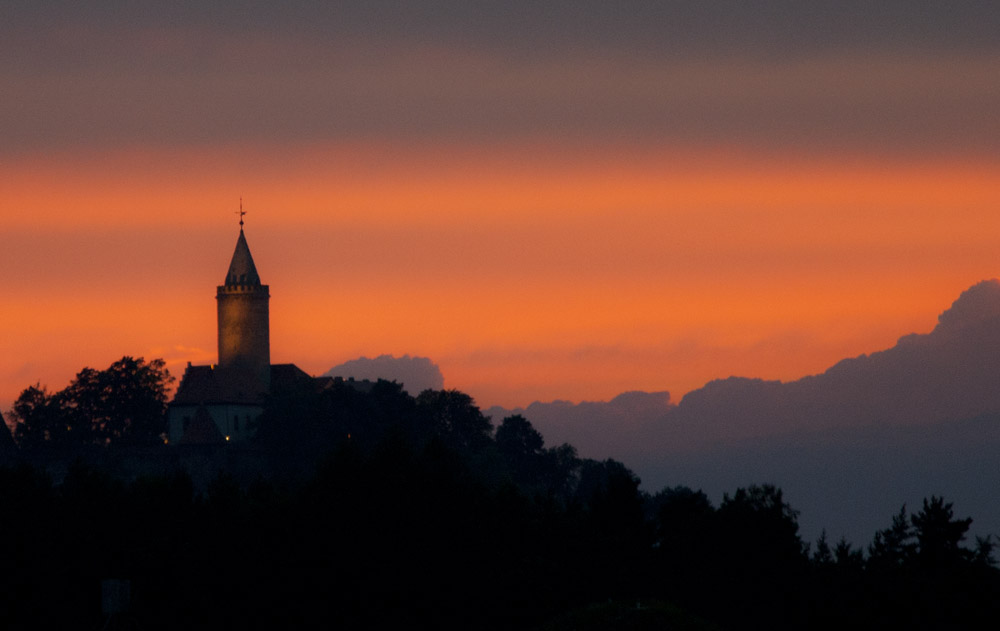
244, 335
232, 394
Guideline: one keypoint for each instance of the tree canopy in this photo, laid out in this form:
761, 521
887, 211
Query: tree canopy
123, 404
370, 508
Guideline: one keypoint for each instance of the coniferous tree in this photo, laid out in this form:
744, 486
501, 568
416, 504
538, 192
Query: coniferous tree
939, 536
893, 548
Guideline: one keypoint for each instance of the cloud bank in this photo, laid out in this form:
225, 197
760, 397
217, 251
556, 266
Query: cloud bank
847, 445
601, 429
777, 74
948, 374
415, 373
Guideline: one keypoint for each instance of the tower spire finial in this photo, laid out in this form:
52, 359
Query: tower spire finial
241, 212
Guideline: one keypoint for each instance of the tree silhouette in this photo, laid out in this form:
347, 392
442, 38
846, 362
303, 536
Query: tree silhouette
847, 556
768, 526
39, 418
123, 404
823, 555
411, 512
762, 555
687, 551
527, 462
983, 555
8, 448
893, 548
517, 439
454, 417
939, 536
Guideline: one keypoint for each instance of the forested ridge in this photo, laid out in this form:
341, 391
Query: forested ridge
368, 509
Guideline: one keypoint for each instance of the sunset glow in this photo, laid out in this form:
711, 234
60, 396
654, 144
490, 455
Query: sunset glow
569, 278
541, 225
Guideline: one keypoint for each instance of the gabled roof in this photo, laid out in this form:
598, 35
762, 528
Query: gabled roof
286, 376
202, 430
216, 385
242, 270
198, 385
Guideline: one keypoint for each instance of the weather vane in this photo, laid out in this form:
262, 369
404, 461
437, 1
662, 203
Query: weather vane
241, 212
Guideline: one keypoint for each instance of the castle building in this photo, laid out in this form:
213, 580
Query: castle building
223, 402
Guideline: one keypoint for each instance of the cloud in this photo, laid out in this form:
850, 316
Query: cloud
850, 482
598, 429
772, 27
415, 373
848, 446
948, 374
771, 75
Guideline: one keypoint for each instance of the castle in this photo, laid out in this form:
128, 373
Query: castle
223, 402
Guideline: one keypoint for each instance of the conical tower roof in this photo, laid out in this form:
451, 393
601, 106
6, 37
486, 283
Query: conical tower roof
242, 271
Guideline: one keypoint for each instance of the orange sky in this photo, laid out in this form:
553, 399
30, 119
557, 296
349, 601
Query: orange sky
548, 200
525, 272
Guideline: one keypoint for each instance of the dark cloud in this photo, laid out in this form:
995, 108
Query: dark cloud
416, 374
773, 27
850, 482
598, 429
848, 446
906, 76
946, 375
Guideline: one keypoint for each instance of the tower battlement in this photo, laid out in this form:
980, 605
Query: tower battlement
242, 289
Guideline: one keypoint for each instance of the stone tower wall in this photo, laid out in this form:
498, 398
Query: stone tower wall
244, 330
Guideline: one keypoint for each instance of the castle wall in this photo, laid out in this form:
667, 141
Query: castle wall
236, 421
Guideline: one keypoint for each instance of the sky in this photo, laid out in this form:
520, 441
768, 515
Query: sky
562, 200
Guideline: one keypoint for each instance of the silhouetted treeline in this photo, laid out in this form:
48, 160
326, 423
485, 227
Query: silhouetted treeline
124, 405
376, 509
